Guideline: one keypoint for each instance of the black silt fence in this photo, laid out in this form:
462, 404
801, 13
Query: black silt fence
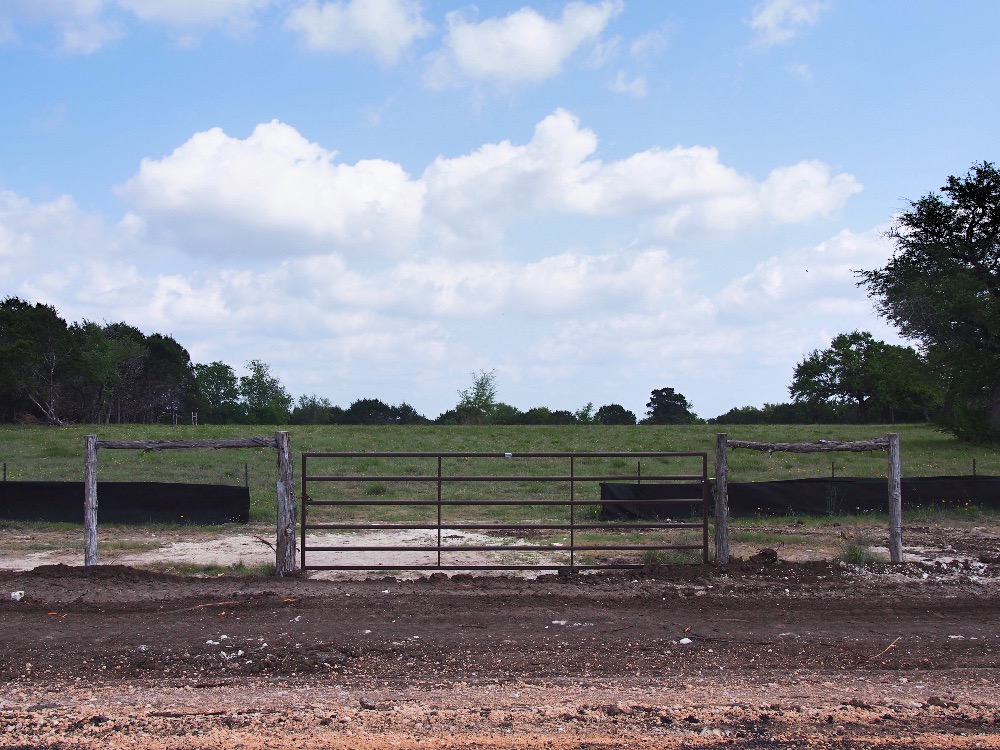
126, 502
816, 497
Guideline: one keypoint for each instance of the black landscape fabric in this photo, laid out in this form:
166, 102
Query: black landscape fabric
816, 497
126, 502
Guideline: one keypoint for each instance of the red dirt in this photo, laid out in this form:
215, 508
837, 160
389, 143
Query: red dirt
780, 655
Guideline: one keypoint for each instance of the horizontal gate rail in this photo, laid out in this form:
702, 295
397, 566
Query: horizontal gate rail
343, 484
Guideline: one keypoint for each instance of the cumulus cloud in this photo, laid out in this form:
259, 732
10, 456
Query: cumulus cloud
274, 190
277, 192
523, 46
818, 281
383, 28
672, 190
778, 21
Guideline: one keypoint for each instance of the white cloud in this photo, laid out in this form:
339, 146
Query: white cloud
778, 21
54, 252
634, 87
683, 189
384, 28
818, 282
195, 14
85, 26
800, 71
80, 26
650, 43
523, 46
274, 192
277, 192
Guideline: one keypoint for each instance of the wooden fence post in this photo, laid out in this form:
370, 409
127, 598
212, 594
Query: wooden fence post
285, 508
721, 499
90, 499
895, 501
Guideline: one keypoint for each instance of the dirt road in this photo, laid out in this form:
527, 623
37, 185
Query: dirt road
752, 655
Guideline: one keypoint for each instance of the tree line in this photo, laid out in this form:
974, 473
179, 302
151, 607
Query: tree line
61, 373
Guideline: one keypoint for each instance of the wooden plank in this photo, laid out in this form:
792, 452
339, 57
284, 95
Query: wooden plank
857, 446
159, 445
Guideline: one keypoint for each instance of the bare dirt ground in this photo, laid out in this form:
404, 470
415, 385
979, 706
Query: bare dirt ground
755, 654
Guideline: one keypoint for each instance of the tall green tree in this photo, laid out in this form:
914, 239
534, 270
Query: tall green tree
666, 406
614, 414
219, 394
478, 402
104, 363
37, 359
264, 397
370, 411
942, 288
878, 381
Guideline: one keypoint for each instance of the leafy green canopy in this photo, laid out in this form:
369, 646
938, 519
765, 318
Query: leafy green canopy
878, 381
942, 288
666, 406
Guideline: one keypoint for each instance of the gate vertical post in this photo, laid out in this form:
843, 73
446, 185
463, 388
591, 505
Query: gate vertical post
90, 499
303, 519
721, 499
285, 507
895, 501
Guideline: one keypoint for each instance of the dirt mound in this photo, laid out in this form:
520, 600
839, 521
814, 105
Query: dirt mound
108, 573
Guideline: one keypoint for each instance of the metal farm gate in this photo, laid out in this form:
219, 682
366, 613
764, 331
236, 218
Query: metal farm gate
494, 511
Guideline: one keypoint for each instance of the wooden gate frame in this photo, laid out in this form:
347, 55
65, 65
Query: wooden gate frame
284, 549
888, 443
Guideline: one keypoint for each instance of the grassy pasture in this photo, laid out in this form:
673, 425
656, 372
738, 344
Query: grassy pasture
46, 453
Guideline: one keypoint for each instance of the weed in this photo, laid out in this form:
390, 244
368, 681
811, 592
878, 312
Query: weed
655, 557
213, 569
857, 553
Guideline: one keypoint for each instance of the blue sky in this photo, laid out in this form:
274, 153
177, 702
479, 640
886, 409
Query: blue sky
381, 197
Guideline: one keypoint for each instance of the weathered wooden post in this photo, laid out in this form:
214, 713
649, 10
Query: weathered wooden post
895, 501
90, 499
285, 507
721, 499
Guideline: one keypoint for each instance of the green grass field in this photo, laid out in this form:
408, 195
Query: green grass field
47, 453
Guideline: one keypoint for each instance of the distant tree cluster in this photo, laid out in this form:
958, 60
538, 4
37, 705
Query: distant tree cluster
60, 373
477, 405
86, 372
255, 398
856, 380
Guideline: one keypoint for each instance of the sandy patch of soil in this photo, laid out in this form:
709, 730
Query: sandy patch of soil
28, 549
24, 548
